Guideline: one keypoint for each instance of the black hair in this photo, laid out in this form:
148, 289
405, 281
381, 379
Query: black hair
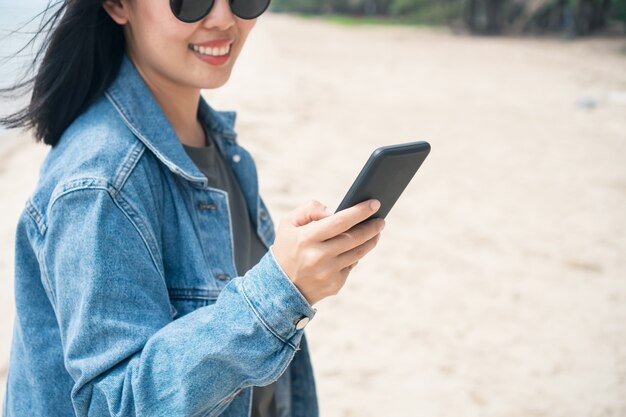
82, 51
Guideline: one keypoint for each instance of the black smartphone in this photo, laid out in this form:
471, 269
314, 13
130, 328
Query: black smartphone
385, 175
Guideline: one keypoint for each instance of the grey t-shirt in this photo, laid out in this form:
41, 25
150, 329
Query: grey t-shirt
248, 247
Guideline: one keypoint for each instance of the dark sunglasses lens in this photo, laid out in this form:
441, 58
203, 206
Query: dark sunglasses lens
190, 10
248, 9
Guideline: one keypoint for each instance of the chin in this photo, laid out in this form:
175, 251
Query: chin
215, 83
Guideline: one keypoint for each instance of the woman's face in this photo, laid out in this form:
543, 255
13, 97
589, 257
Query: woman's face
194, 55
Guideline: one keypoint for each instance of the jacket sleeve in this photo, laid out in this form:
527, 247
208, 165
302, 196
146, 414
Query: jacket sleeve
122, 348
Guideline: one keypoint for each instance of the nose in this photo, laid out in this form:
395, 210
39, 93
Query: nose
220, 17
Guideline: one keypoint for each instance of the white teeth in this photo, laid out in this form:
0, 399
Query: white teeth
211, 51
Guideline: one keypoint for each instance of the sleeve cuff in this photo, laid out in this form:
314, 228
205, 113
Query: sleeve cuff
276, 300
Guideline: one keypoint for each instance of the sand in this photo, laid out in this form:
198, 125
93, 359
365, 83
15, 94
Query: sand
498, 287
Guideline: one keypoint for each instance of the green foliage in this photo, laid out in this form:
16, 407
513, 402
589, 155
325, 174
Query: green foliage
302, 6
354, 7
427, 11
578, 17
619, 10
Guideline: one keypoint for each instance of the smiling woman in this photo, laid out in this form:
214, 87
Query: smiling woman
149, 279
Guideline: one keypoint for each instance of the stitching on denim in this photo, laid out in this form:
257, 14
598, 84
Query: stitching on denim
37, 248
248, 383
45, 281
230, 227
193, 294
189, 194
131, 160
250, 402
37, 217
148, 144
115, 201
131, 213
76, 184
258, 316
268, 227
217, 126
273, 376
220, 406
232, 236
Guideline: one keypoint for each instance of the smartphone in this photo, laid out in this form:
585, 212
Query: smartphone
385, 175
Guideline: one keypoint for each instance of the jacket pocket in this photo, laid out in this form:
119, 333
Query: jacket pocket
185, 300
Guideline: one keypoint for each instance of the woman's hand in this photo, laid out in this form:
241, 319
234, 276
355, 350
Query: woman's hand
318, 249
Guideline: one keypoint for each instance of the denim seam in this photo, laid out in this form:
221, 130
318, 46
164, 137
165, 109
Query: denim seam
37, 248
45, 281
198, 230
232, 236
126, 168
115, 201
217, 126
269, 379
37, 217
75, 184
261, 226
191, 293
273, 376
220, 406
148, 144
258, 316
144, 231
195, 214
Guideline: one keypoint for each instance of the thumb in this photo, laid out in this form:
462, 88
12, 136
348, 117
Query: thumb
309, 212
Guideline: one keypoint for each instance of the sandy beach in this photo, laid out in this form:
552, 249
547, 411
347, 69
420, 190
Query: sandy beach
498, 287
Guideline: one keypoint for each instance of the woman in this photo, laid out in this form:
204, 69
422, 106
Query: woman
148, 276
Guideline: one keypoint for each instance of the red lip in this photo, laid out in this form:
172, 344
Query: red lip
216, 43
213, 60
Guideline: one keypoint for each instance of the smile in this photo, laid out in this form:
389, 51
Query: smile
225, 50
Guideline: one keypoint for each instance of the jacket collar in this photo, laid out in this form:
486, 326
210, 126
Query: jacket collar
140, 111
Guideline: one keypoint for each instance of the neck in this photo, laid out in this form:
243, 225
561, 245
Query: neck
180, 106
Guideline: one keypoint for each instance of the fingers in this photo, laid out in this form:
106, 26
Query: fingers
349, 267
318, 249
311, 211
331, 226
354, 237
354, 255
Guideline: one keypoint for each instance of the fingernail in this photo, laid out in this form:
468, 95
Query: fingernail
375, 204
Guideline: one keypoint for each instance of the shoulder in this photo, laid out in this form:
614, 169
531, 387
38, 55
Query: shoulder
97, 151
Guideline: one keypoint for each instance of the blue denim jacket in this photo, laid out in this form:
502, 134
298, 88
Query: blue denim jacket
127, 297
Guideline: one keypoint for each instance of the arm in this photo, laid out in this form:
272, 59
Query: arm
121, 347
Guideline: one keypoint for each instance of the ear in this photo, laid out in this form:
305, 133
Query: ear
117, 9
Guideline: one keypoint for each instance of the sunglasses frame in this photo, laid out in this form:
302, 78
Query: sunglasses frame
211, 3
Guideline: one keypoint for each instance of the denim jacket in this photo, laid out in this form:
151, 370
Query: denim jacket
127, 297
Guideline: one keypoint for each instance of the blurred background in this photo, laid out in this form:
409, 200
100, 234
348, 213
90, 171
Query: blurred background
498, 287
568, 17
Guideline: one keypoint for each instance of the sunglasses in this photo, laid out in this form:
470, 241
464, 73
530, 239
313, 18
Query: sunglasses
190, 11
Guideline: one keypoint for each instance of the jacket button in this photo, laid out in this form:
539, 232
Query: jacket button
236, 158
300, 323
222, 277
207, 206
